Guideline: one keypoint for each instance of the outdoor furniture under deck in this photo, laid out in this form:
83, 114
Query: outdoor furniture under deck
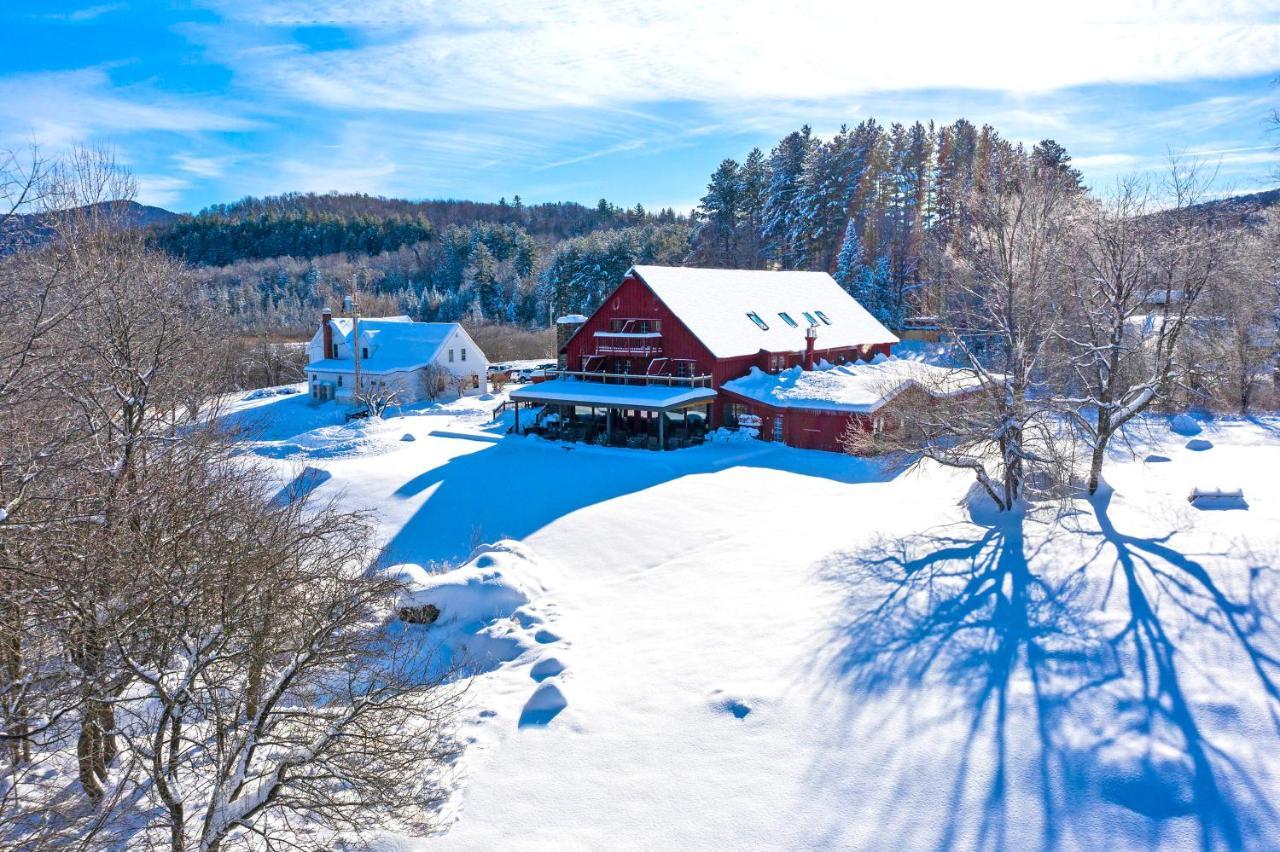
635, 411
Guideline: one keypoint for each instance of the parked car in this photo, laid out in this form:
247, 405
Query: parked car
538, 373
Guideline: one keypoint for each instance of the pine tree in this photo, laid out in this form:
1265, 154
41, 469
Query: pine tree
480, 279
786, 163
1049, 156
719, 211
755, 192
849, 263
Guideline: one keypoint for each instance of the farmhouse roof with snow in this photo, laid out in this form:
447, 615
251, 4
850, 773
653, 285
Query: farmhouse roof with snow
717, 305
397, 344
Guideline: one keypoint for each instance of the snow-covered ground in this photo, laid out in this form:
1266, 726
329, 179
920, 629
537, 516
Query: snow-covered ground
743, 646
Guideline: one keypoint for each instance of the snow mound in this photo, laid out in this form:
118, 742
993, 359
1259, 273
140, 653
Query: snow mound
1185, 425
1149, 778
544, 705
482, 621
407, 437
263, 393
732, 436
495, 581
1199, 445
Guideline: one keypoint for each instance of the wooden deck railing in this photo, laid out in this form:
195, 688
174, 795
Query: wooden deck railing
632, 378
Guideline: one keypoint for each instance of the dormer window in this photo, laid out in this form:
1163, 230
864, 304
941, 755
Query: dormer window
788, 320
823, 317
334, 353
808, 317
755, 318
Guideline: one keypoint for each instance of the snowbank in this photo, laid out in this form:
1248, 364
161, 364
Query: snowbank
858, 388
481, 621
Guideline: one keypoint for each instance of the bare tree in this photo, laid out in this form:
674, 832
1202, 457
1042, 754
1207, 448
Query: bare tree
432, 381
272, 704
1137, 274
377, 397
1240, 341
1005, 270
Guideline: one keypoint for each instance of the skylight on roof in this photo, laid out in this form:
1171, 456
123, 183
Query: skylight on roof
755, 318
823, 317
808, 317
788, 320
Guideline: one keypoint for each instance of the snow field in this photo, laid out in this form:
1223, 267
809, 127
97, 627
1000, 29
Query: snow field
742, 645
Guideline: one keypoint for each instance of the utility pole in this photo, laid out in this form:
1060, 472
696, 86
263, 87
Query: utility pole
354, 305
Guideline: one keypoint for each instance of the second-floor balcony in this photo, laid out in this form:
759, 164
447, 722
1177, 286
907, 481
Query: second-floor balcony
641, 344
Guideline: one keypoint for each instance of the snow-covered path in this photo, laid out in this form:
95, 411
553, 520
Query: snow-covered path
764, 647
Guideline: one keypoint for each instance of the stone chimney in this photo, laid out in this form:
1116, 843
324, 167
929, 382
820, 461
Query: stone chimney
810, 338
326, 332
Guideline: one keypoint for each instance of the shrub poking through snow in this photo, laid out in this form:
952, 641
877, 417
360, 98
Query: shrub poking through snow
425, 614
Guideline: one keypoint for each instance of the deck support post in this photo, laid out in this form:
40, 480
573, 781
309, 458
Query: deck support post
517, 402
662, 430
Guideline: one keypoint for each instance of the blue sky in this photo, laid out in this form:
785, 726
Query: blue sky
211, 100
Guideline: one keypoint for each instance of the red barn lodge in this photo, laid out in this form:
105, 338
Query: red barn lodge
675, 352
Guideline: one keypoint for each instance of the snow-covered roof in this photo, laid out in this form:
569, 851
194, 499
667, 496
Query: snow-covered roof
855, 388
395, 344
715, 305
570, 390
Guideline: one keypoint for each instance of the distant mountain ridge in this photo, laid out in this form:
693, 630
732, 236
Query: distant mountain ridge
34, 228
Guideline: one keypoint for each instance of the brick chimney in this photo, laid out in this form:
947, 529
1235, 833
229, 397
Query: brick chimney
326, 331
810, 337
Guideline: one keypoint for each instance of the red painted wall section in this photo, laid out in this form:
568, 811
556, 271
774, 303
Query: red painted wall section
634, 300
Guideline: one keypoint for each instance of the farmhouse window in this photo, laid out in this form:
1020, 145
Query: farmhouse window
777, 363
622, 365
450, 356
777, 428
339, 381
364, 352
464, 354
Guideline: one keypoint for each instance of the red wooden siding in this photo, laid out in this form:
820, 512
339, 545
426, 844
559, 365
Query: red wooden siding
633, 300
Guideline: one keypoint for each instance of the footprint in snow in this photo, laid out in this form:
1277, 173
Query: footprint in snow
544, 705
543, 669
727, 704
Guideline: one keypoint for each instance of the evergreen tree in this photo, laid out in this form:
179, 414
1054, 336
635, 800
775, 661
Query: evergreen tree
1049, 156
718, 213
755, 192
480, 279
786, 164
849, 262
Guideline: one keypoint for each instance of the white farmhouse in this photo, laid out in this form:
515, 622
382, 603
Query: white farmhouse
417, 360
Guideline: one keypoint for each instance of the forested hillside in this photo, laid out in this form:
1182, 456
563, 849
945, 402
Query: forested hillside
867, 205
272, 262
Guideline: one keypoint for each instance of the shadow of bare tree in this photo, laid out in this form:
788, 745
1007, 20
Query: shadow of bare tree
1069, 682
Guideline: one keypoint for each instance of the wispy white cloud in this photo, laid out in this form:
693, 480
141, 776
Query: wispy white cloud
537, 54
161, 190
60, 109
88, 13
